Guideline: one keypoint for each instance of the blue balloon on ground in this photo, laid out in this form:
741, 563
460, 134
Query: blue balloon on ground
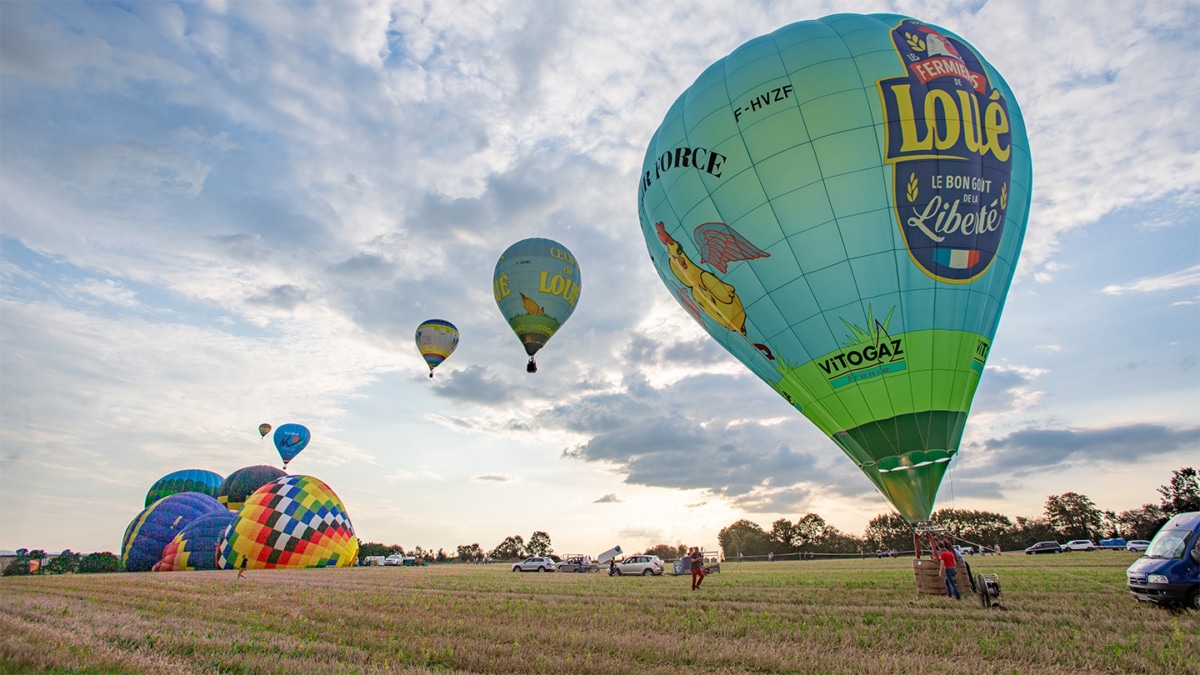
150, 532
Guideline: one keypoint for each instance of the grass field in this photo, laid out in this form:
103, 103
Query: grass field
1065, 614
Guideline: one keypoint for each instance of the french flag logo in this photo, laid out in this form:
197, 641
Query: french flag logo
956, 258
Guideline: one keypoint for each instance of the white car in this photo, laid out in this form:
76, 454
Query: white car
535, 564
393, 559
645, 565
1079, 545
1137, 545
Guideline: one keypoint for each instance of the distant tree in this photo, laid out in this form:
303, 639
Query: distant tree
66, 563
1029, 531
1141, 523
667, 551
38, 556
441, 555
539, 544
974, 527
373, 549
1073, 515
469, 552
781, 536
812, 532
511, 548
1182, 494
833, 540
887, 531
19, 567
745, 537
99, 563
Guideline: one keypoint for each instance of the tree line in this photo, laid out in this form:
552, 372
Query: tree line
1066, 516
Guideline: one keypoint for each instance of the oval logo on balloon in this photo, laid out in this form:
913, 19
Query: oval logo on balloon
841, 204
536, 285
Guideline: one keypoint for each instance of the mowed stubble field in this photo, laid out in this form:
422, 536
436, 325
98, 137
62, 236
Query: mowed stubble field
1066, 613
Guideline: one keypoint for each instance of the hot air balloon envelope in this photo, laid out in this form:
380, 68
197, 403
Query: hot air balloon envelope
296, 521
185, 480
290, 439
150, 532
536, 285
436, 340
264, 429
841, 205
195, 547
242, 483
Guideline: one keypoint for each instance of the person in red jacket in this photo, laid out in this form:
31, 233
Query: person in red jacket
950, 572
697, 559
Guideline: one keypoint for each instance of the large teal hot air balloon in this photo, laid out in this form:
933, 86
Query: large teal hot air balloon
841, 204
536, 284
290, 439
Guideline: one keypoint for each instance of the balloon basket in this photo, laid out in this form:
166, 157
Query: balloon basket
927, 573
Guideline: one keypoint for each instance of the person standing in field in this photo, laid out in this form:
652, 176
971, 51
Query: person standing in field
697, 559
949, 572
242, 569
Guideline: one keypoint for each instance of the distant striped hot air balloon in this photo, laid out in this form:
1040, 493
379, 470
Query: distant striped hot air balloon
436, 340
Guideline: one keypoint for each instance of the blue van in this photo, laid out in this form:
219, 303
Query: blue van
1169, 571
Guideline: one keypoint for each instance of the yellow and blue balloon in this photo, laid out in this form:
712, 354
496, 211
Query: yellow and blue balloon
436, 340
536, 285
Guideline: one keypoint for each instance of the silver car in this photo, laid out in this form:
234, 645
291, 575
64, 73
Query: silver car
1137, 545
644, 565
534, 564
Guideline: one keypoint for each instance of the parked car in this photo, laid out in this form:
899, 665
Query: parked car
534, 564
1044, 547
577, 563
1137, 545
1079, 545
1169, 571
645, 565
1114, 543
393, 559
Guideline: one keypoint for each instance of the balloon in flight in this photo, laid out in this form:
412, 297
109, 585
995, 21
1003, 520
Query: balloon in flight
436, 340
841, 205
290, 439
536, 285
185, 480
264, 429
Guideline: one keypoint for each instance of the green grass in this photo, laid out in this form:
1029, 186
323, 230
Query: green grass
1065, 613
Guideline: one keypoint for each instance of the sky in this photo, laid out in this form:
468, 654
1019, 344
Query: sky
219, 214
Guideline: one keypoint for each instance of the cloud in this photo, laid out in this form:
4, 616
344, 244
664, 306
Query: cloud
493, 478
1181, 279
1035, 449
610, 498
286, 297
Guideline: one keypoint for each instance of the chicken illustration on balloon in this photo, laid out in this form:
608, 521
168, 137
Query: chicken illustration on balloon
719, 245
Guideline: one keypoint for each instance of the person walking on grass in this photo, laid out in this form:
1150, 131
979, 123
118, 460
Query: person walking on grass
697, 559
242, 569
949, 572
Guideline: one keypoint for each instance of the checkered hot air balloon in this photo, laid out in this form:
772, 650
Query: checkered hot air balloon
293, 522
